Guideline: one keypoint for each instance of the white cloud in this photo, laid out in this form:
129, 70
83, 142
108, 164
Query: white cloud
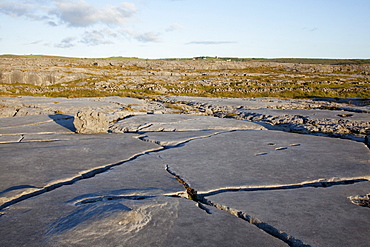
142, 37
82, 14
147, 37
98, 37
18, 9
66, 43
51, 23
73, 13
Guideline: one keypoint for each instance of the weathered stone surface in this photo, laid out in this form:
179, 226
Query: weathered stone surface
41, 124
316, 216
261, 158
35, 166
104, 211
302, 116
254, 187
90, 122
176, 122
172, 139
39, 78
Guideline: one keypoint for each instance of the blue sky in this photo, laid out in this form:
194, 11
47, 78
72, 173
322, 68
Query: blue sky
186, 28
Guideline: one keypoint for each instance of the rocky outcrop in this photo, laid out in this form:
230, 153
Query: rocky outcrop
90, 122
38, 78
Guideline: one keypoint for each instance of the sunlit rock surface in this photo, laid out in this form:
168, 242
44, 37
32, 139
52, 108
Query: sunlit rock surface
252, 185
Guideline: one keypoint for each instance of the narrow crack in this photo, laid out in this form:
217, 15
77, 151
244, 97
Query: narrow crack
199, 197
319, 183
84, 175
16, 112
21, 138
192, 194
269, 229
180, 143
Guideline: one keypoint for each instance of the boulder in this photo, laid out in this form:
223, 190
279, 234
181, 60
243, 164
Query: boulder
90, 122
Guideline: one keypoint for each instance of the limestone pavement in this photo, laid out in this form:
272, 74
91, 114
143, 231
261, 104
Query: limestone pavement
252, 185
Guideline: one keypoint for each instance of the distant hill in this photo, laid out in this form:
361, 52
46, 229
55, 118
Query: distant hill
207, 58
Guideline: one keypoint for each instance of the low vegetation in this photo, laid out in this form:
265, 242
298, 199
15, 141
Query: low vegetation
201, 76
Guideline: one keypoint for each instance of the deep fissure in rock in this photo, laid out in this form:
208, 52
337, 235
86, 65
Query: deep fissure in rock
192, 194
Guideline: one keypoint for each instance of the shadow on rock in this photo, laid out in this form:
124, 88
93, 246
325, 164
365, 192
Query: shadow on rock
65, 121
18, 187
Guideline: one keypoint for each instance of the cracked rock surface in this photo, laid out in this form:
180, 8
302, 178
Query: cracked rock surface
250, 185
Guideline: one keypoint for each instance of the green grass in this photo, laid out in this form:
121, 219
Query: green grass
239, 83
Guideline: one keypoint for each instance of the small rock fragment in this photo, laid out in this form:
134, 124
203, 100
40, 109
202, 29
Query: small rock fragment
90, 122
363, 201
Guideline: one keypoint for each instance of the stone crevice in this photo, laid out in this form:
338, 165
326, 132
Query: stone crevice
146, 138
271, 230
82, 175
192, 194
319, 183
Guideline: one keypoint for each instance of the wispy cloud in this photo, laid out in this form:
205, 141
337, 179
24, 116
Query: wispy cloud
73, 13
34, 42
97, 37
310, 29
210, 42
66, 43
21, 9
82, 14
145, 37
174, 27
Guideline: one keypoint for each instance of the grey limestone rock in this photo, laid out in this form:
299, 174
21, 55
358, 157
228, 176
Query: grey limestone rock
90, 122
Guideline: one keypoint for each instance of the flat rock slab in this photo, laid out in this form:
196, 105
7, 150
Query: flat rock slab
11, 122
43, 105
177, 122
124, 207
63, 189
246, 158
316, 216
312, 114
33, 166
58, 123
268, 102
249, 103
